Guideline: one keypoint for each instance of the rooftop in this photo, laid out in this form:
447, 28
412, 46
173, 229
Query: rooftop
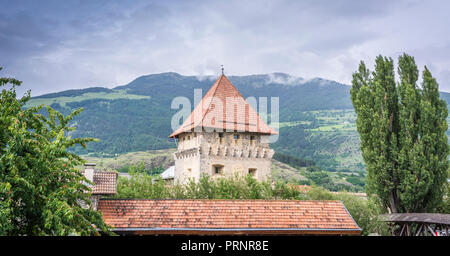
417, 217
224, 108
105, 183
201, 216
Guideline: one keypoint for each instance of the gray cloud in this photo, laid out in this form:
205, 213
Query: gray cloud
57, 45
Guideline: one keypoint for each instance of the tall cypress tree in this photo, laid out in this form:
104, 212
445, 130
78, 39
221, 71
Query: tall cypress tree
402, 130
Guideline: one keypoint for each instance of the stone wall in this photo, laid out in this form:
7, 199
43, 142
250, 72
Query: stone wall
199, 153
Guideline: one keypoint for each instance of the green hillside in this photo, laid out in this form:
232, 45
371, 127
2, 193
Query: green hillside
317, 121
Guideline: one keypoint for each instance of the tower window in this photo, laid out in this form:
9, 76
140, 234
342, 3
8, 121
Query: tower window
220, 135
217, 169
252, 172
236, 136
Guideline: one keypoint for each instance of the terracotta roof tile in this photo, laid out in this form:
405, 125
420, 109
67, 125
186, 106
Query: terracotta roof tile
105, 182
227, 214
223, 107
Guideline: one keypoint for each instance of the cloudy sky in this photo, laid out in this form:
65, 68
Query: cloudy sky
57, 45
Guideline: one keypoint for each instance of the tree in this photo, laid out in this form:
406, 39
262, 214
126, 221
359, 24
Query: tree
40, 188
402, 130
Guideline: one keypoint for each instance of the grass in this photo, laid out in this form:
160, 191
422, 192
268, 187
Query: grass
118, 94
150, 158
294, 123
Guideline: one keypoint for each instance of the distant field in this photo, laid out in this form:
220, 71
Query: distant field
342, 124
150, 158
334, 120
293, 123
117, 94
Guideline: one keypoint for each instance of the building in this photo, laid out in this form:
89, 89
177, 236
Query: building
223, 136
105, 182
227, 217
169, 174
216, 217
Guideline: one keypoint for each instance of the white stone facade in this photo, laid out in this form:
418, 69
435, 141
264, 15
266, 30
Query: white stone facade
221, 155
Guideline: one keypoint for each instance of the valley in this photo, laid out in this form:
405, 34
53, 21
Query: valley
316, 121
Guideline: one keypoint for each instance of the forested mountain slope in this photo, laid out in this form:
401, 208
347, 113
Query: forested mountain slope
317, 121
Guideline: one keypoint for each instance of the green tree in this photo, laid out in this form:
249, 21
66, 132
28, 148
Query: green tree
402, 130
40, 188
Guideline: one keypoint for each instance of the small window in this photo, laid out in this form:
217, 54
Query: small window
189, 137
217, 169
236, 136
252, 137
220, 135
252, 172
189, 170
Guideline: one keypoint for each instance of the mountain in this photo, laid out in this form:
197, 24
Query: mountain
317, 121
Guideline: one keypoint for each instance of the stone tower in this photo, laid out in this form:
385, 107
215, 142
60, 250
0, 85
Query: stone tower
224, 135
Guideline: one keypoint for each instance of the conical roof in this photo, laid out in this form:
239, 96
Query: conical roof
224, 109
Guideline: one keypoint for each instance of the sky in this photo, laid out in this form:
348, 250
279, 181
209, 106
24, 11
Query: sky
58, 45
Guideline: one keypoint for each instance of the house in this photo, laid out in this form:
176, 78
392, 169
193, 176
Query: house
169, 174
223, 136
105, 182
216, 217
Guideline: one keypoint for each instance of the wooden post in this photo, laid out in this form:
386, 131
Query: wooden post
403, 228
431, 230
420, 229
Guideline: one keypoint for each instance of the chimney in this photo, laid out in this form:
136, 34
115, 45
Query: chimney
89, 171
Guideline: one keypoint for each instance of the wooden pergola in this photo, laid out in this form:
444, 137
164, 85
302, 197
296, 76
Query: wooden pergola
418, 224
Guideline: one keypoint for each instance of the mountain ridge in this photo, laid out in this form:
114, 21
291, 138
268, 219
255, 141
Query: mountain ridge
316, 116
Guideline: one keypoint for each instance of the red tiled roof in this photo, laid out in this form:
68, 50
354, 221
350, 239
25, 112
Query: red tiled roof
223, 107
105, 182
288, 216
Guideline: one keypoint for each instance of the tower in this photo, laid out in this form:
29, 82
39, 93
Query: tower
223, 136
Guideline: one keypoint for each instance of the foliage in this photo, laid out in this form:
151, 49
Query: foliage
142, 185
365, 212
357, 181
444, 207
402, 130
40, 189
324, 179
292, 160
140, 167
